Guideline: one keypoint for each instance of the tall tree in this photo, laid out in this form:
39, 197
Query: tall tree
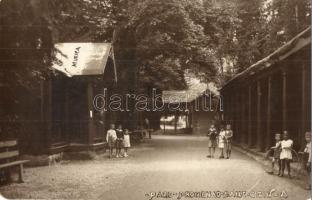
171, 38
254, 29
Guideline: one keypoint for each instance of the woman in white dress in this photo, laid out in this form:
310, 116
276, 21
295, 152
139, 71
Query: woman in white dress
126, 142
221, 142
286, 153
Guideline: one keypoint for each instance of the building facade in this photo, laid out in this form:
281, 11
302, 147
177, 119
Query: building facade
61, 116
271, 96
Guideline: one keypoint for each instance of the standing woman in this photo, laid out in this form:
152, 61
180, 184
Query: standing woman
228, 140
286, 154
221, 141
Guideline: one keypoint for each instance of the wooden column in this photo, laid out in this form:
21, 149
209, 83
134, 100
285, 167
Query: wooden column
42, 106
164, 125
186, 121
243, 117
284, 100
259, 136
249, 138
90, 113
238, 117
303, 102
234, 116
228, 108
231, 109
225, 109
176, 118
48, 114
224, 106
269, 118
67, 120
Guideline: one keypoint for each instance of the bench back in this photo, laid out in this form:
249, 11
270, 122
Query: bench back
8, 151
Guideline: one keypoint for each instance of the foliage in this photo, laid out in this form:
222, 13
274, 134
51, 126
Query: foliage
172, 36
28, 31
260, 27
214, 39
25, 43
285, 19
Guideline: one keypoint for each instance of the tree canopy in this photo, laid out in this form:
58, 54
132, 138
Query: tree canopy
214, 39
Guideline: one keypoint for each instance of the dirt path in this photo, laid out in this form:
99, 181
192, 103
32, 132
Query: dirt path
165, 163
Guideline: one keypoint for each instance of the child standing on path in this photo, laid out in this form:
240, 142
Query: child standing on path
212, 140
307, 151
286, 154
221, 142
276, 154
228, 140
119, 141
111, 139
126, 142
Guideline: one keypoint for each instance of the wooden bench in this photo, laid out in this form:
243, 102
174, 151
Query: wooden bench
144, 131
9, 157
138, 135
135, 136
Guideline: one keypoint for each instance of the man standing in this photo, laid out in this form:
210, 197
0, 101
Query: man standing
147, 126
212, 140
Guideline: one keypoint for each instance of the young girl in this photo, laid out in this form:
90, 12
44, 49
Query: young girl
126, 142
111, 139
221, 141
286, 154
276, 154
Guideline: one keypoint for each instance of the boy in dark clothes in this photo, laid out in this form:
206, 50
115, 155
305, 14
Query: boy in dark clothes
119, 141
212, 140
276, 154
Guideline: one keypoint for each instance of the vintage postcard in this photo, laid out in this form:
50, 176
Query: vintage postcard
155, 99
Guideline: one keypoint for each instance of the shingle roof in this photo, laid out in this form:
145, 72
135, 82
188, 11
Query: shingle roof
300, 41
187, 96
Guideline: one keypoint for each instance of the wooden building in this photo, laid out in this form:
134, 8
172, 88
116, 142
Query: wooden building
204, 112
199, 108
272, 95
65, 118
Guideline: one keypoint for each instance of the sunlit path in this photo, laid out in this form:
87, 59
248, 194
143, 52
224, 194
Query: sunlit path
165, 163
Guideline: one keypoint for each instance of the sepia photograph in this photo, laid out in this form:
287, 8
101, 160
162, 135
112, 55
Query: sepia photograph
155, 99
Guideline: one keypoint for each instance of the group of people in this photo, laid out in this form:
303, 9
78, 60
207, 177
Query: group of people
282, 152
283, 155
118, 139
221, 139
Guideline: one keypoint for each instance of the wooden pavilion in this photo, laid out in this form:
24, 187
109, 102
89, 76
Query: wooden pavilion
66, 119
272, 95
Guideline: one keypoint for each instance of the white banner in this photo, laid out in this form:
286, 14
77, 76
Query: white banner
75, 59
